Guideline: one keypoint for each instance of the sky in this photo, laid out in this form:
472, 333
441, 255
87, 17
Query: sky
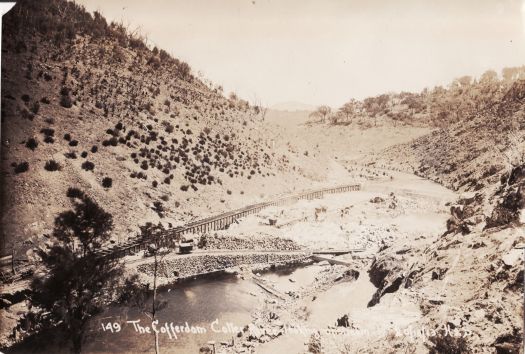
328, 51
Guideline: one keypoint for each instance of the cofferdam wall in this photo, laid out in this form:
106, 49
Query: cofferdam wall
200, 264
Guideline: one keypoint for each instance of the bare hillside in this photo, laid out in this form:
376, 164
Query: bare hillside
342, 142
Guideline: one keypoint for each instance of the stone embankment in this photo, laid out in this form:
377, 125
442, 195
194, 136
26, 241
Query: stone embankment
200, 264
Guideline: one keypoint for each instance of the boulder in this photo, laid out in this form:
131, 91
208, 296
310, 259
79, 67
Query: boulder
512, 257
387, 275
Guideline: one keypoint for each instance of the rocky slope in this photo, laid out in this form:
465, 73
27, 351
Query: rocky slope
469, 281
472, 153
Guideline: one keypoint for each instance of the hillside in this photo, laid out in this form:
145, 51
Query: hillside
342, 142
436, 107
472, 150
85, 104
476, 156
482, 155
469, 277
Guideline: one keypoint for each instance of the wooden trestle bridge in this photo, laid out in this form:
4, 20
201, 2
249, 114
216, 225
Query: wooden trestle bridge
218, 222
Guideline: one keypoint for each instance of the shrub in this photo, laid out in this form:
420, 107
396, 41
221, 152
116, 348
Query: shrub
84, 154
154, 184
45, 100
52, 166
67, 137
48, 131
73, 143
88, 165
49, 140
107, 182
449, 344
94, 149
35, 107
73, 192
70, 155
66, 102
169, 128
184, 70
25, 98
22, 167
32, 144
159, 208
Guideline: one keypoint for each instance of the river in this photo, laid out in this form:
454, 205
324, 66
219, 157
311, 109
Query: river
210, 306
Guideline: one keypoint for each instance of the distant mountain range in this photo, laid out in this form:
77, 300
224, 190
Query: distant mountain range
292, 106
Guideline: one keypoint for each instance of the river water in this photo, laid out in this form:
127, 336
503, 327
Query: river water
217, 308
210, 306
218, 305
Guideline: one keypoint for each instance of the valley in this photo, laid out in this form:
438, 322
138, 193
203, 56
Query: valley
132, 188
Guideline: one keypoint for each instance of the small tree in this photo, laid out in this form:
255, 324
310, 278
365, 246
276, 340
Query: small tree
335, 118
77, 283
155, 237
347, 110
321, 113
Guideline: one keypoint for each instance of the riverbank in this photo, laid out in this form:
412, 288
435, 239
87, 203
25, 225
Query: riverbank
285, 314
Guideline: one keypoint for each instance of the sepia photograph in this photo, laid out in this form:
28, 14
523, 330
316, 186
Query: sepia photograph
262, 176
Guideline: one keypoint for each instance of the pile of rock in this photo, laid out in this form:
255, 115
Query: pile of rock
249, 243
